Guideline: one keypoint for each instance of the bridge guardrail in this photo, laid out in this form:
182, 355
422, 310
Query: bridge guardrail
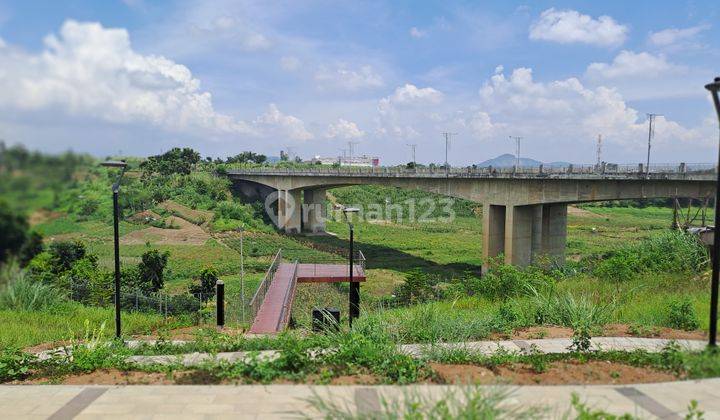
604, 169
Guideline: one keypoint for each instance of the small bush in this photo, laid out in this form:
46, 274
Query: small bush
681, 315
205, 290
415, 289
151, 270
568, 310
14, 364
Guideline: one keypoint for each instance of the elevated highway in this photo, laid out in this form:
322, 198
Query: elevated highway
524, 209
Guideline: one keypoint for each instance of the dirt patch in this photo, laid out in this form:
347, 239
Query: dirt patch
186, 333
466, 374
146, 216
577, 211
198, 217
42, 216
359, 379
609, 330
556, 373
186, 234
46, 346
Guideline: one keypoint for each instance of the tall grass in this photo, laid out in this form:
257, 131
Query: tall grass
21, 293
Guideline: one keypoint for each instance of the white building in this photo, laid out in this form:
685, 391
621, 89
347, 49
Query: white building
358, 161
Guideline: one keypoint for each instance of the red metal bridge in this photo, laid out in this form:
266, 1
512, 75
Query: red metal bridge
272, 303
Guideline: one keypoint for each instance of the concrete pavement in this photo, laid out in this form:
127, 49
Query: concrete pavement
659, 400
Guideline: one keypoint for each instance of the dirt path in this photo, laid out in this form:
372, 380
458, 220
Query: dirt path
186, 234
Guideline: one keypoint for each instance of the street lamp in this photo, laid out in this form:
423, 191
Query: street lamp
713, 88
116, 221
354, 310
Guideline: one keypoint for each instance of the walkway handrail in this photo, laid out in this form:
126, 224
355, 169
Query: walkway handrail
287, 299
359, 261
262, 289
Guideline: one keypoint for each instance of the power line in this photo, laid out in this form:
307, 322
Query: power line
517, 150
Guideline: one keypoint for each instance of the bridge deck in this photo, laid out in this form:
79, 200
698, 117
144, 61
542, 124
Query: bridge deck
269, 317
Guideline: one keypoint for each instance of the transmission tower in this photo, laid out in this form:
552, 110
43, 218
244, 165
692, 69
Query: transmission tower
599, 150
651, 134
448, 137
350, 147
412, 147
517, 150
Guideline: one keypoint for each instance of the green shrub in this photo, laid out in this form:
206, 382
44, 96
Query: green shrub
205, 289
151, 268
621, 267
681, 315
64, 253
13, 231
415, 289
504, 280
14, 364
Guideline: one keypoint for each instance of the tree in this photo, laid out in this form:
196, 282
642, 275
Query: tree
64, 253
205, 289
247, 157
151, 270
13, 231
174, 161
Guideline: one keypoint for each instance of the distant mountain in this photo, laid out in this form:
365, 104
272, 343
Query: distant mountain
508, 160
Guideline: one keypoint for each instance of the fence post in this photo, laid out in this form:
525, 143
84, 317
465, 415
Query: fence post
220, 293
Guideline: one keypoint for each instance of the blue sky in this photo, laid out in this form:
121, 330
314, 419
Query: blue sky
224, 76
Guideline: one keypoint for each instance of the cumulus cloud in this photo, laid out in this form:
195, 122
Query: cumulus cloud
343, 129
565, 110
343, 78
406, 107
671, 36
89, 70
228, 29
92, 72
273, 121
570, 26
631, 64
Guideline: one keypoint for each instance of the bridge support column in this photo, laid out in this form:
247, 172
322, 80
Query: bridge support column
313, 211
289, 210
554, 231
493, 232
524, 233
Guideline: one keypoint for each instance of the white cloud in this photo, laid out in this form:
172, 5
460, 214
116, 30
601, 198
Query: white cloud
2, 43
417, 33
671, 36
342, 78
289, 63
631, 64
275, 122
230, 30
89, 71
344, 129
92, 71
564, 112
407, 107
570, 26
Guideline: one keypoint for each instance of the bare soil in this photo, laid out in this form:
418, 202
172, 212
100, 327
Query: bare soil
556, 373
144, 216
42, 215
186, 212
609, 330
186, 333
186, 234
359, 379
576, 211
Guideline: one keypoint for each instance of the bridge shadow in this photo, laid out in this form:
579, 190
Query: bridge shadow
384, 257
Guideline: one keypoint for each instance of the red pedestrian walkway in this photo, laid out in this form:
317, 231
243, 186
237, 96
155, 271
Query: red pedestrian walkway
274, 313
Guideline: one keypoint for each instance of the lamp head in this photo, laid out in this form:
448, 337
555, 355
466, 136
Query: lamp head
349, 211
114, 164
714, 86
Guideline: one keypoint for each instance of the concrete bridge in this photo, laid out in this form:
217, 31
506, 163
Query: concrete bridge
524, 209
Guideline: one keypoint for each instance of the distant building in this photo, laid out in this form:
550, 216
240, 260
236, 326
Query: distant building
361, 161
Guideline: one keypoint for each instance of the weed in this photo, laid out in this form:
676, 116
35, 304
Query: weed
581, 338
14, 364
681, 315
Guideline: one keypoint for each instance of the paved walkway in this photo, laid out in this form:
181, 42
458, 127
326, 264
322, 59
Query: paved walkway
551, 345
268, 319
57, 402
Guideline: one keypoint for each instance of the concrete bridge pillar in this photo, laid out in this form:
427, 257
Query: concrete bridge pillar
313, 211
289, 210
524, 233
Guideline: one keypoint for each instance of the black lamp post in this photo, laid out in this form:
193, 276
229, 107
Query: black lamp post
713, 88
116, 227
354, 310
